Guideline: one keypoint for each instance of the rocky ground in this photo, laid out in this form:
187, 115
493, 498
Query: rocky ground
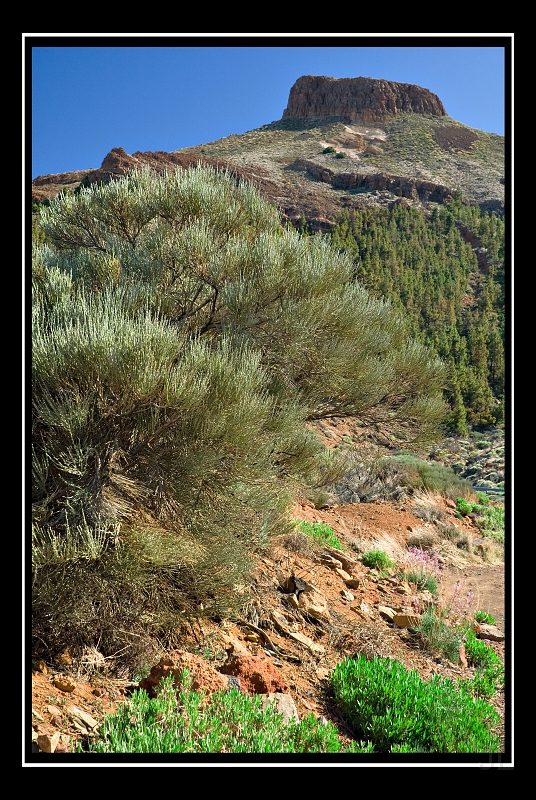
303, 613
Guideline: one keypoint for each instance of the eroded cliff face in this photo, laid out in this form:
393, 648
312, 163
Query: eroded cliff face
398, 185
367, 100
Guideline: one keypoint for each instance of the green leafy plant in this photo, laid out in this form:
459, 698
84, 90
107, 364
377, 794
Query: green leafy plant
340, 155
484, 616
464, 507
478, 652
377, 559
328, 150
229, 722
321, 533
399, 712
490, 671
484, 683
488, 517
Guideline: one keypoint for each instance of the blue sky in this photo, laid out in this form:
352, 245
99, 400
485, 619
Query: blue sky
88, 93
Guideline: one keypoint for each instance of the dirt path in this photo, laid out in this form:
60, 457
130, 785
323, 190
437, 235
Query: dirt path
487, 582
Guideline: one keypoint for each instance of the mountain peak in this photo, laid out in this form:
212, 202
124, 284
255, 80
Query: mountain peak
368, 100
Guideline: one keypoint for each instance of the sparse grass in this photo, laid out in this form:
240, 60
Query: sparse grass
298, 542
449, 532
56, 701
465, 542
438, 637
319, 498
443, 627
423, 539
426, 507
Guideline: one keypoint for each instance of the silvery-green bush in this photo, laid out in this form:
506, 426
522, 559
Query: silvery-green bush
181, 340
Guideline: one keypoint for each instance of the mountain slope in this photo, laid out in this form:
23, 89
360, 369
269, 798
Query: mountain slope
380, 152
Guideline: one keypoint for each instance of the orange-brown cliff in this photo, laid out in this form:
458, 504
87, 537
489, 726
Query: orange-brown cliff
367, 100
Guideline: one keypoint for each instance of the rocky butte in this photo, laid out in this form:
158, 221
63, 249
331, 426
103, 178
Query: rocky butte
367, 100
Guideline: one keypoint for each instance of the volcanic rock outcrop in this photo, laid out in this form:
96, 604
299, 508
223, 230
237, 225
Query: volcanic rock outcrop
118, 163
367, 100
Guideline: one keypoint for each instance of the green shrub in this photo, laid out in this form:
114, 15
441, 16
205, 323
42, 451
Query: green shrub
464, 507
377, 559
489, 518
169, 426
321, 533
432, 476
438, 637
340, 155
490, 671
328, 150
484, 616
478, 652
230, 722
397, 711
484, 683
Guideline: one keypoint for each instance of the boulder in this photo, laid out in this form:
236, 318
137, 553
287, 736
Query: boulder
404, 620
490, 632
386, 613
284, 705
204, 677
257, 676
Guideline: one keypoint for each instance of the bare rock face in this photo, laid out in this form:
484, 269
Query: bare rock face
118, 163
204, 677
46, 187
256, 675
367, 100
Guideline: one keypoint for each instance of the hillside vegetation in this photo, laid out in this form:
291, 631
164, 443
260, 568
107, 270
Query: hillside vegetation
446, 270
